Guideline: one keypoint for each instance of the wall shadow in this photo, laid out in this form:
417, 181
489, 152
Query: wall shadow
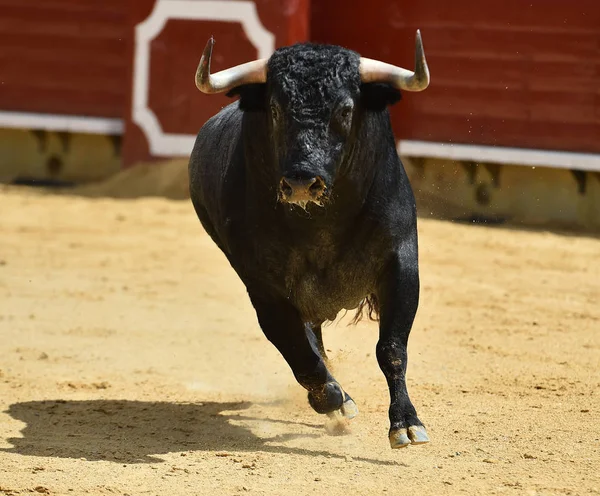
136, 431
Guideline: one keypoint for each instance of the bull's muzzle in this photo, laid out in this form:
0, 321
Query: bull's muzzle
302, 191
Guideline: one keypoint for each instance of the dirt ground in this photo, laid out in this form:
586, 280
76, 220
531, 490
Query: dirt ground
131, 362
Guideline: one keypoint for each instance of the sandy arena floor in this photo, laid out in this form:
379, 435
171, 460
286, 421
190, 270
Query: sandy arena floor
131, 363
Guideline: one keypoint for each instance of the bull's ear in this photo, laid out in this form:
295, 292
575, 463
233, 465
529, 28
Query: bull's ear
252, 96
377, 96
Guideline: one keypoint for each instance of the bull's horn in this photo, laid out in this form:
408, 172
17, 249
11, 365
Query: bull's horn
250, 72
374, 71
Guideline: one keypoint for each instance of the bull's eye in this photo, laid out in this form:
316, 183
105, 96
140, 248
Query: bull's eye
343, 118
274, 112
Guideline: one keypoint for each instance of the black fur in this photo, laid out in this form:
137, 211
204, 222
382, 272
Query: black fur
312, 118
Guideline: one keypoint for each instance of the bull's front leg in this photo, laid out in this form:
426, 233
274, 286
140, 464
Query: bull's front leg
302, 349
398, 296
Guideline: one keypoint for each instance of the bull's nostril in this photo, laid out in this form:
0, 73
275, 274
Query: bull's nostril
317, 187
296, 190
286, 189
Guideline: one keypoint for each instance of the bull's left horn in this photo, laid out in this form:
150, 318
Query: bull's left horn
374, 71
250, 72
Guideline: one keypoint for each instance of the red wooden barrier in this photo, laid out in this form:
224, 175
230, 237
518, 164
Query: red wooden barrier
511, 73
166, 109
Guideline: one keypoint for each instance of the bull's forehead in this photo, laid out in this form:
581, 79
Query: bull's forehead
310, 79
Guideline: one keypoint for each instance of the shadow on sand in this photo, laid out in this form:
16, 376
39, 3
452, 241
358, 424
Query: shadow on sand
135, 432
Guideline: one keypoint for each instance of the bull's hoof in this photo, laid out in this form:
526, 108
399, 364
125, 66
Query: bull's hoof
401, 438
349, 408
329, 398
418, 434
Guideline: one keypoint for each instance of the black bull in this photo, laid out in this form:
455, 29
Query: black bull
300, 185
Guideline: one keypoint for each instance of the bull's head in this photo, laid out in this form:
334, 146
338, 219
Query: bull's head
312, 97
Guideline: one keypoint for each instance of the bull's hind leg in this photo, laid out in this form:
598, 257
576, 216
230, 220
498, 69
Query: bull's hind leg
301, 348
398, 298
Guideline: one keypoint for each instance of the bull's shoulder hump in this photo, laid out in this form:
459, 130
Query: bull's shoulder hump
217, 137
229, 117
215, 147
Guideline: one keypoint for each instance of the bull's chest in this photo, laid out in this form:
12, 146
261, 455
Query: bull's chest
322, 283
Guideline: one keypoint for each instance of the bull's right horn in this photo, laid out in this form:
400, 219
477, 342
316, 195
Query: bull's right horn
374, 71
250, 72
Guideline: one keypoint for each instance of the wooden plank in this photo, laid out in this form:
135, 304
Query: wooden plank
63, 57
68, 123
502, 155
